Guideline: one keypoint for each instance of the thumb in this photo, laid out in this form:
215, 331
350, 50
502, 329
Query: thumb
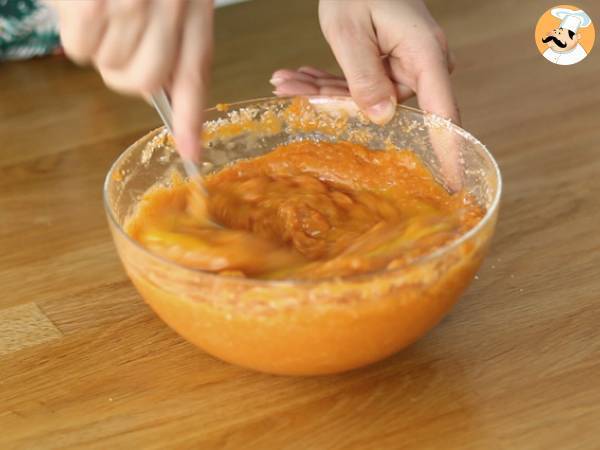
369, 84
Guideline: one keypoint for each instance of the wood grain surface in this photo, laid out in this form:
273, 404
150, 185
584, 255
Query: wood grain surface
516, 365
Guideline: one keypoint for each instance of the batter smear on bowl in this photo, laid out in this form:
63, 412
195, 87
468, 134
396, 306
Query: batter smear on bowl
307, 210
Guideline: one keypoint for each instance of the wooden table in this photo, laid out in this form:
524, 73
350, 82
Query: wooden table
84, 363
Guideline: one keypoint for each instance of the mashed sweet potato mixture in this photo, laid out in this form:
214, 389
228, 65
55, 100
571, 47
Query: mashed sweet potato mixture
307, 210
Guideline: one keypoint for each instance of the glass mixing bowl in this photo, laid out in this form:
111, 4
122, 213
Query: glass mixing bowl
305, 327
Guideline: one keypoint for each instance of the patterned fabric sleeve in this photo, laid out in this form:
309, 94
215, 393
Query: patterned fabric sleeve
28, 28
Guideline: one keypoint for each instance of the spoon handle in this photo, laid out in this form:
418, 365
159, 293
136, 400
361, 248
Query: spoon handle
163, 107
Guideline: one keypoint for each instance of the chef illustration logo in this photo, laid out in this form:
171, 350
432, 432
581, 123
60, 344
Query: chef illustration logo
565, 35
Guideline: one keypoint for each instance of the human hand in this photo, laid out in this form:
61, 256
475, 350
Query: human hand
388, 51
139, 46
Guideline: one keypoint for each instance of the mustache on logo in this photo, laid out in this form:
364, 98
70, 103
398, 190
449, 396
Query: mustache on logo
556, 41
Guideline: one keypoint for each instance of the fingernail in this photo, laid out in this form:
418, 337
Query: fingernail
382, 112
276, 80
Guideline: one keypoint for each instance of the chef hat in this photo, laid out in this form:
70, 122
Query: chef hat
571, 20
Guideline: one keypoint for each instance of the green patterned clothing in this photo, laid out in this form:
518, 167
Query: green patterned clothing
28, 28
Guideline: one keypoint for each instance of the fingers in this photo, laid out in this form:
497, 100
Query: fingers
191, 78
434, 89
448, 54
140, 46
369, 85
354, 45
417, 61
151, 65
315, 72
403, 90
82, 26
295, 87
311, 81
308, 81
434, 93
324, 78
123, 34
133, 43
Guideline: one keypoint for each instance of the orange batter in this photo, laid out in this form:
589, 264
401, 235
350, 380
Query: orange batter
306, 210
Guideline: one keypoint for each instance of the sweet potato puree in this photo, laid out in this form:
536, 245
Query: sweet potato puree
307, 210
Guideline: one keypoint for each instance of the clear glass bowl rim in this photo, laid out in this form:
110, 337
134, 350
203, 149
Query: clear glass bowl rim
437, 254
